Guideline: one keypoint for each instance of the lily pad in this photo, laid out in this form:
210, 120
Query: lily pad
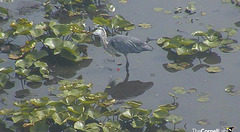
203, 122
34, 78
178, 66
230, 48
203, 97
158, 9
123, 1
191, 90
214, 69
4, 12
3, 79
175, 119
179, 90
145, 25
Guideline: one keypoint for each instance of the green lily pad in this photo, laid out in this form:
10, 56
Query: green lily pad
191, 90
203, 122
230, 48
79, 125
39, 102
123, 1
179, 90
158, 9
111, 7
169, 107
60, 118
160, 113
53, 43
40, 126
101, 21
145, 25
61, 29
34, 78
178, 66
36, 32
134, 104
203, 97
229, 31
93, 113
229, 89
214, 69
6, 70
3, 79
175, 119
191, 9
4, 12
167, 12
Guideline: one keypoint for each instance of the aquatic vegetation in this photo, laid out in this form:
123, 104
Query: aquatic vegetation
3, 13
184, 50
77, 108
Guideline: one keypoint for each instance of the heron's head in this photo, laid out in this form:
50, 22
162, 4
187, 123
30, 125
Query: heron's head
100, 31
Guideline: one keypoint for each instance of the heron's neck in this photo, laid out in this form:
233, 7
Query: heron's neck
104, 41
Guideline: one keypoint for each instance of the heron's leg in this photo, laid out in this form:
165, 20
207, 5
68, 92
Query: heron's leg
127, 63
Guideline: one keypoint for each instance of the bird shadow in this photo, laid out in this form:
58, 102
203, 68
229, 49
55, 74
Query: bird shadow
127, 89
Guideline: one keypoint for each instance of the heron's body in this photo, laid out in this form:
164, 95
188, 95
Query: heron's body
125, 44
122, 43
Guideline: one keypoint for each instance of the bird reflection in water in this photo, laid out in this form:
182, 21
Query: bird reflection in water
127, 89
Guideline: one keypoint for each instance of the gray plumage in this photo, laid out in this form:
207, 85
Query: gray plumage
122, 43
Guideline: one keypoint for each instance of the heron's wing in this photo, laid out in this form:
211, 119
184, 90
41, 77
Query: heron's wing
126, 44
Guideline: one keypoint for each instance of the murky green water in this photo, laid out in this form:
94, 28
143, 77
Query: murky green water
148, 66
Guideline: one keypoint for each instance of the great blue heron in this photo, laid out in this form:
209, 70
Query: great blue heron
121, 43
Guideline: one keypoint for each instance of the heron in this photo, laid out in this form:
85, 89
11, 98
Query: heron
122, 44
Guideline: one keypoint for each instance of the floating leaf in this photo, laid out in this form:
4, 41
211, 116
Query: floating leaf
230, 48
229, 31
191, 90
6, 70
144, 25
134, 104
40, 126
3, 79
202, 122
203, 97
4, 12
110, 7
175, 119
93, 113
214, 69
178, 66
36, 32
123, 1
61, 29
158, 9
160, 113
179, 90
79, 125
229, 89
101, 21
34, 78
60, 118
199, 33
39, 102
167, 12
53, 43
191, 9
169, 107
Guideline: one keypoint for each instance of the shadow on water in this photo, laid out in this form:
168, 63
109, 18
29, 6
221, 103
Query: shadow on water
127, 89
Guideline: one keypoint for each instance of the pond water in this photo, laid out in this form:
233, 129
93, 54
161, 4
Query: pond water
149, 82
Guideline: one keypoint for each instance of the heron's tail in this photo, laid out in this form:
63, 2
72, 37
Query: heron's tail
147, 48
